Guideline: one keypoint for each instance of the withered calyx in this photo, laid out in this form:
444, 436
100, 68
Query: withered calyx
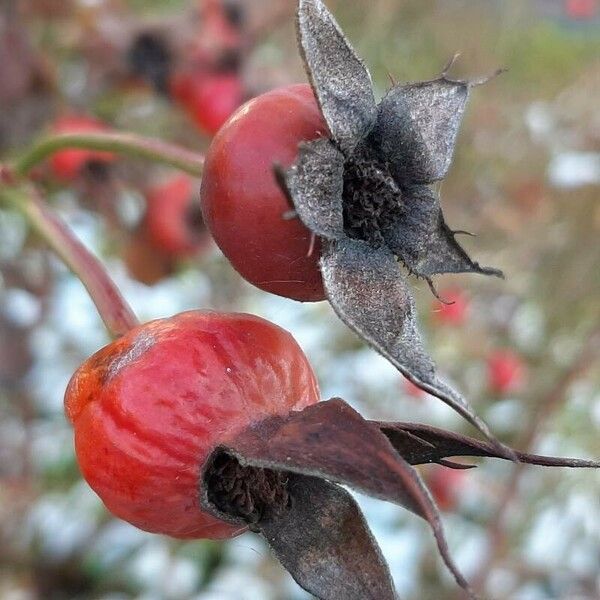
366, 192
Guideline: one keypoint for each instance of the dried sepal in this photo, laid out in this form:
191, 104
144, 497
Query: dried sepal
387, 213
420, 444
417, 126
423, 241
325, 543
332, 441
366, 289
314, 184
340, 80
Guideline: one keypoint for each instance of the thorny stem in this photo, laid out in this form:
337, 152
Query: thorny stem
112, 307
124, 143
545, 408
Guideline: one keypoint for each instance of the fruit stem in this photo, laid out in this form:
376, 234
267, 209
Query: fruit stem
129, 144
112, 307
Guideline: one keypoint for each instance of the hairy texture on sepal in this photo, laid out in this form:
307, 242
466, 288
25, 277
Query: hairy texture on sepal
420, 444
367, 291
423, 241
387, 212
340, 80
315, 185
417, 126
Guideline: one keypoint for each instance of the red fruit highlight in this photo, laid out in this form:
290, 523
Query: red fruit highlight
244, 207
68, 164
209, 98
506, 371
173, 220
151, 407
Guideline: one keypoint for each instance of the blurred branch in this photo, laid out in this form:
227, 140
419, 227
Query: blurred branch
546, 406
112, 307
129, 144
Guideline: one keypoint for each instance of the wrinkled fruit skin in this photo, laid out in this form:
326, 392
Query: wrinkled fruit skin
172, 224
208, 98
244, 207
67, 164
149, 409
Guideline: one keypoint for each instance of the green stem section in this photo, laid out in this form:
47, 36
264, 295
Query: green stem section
112, 307
129, 144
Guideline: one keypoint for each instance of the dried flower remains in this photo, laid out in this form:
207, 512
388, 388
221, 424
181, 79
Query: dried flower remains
367, 192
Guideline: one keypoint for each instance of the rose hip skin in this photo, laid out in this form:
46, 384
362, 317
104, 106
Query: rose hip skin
244, 207
150, 408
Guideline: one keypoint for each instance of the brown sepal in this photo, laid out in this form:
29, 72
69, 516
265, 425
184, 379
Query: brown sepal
419, 444
324, 542
331, 441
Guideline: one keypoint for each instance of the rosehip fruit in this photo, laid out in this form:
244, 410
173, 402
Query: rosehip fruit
144, 261
445, 485
209, 98
173, 219
221, 29
581, 9
455, 311
506, 371
150, 408
68, 164
244, 207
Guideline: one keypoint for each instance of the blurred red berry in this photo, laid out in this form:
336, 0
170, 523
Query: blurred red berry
445, 485
221, 27
455, 312
173, 220
209, 98
144, 261
68, 164
412, 390
506, 371
581, 9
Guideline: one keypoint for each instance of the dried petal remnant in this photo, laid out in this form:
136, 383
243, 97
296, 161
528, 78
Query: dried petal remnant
247, 492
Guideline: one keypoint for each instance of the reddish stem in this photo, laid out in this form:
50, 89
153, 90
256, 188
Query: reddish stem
112, 307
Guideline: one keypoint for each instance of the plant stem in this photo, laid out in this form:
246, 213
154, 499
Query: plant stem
129, 144
112, 307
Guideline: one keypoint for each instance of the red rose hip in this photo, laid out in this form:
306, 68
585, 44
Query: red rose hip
173, 222
506, 371
244, 207
68, 164
209, 98
150, 408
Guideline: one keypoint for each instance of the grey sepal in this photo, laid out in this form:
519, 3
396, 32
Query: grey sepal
423, 241
417, 126
315, 184
368, 292
340, 80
